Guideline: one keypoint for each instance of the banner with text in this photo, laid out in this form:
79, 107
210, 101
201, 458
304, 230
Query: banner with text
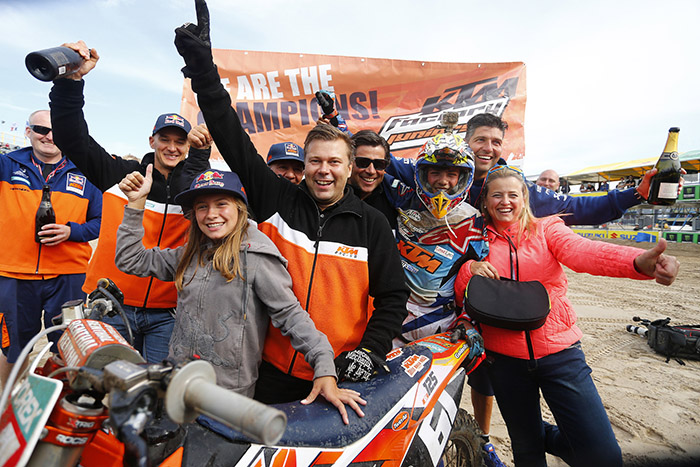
402, 100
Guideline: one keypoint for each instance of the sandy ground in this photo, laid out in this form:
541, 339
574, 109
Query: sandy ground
654, 407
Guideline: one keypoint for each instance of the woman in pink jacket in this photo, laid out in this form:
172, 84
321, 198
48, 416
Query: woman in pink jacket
550, 358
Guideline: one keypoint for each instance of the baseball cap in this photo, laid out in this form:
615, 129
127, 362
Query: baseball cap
171, 120
285, 151
212, 181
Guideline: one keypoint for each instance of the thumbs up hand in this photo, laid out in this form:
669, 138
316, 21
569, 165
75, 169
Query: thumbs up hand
136, 187
655, 264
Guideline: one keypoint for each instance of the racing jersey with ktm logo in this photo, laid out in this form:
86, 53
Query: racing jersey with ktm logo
76, 202
165, 225
432, 250
343, 260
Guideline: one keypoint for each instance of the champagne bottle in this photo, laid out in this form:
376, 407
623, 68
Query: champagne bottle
45, 214
664, 185
50, 64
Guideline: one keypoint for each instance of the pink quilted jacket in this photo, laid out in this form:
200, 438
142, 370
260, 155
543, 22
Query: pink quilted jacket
539, 258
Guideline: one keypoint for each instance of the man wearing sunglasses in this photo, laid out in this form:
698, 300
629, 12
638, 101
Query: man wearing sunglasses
372, 157
36, 276
149, 304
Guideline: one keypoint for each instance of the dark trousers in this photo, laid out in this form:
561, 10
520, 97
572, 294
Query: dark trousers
583, 435
275, 387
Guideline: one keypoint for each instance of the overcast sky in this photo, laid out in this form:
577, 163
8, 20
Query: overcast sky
605, 79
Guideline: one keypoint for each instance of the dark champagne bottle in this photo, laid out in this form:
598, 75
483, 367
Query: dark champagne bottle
50, 64
45, 214
664, 185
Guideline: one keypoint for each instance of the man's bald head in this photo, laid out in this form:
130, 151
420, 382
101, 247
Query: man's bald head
549, 179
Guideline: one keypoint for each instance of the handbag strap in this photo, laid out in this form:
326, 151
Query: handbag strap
513, 251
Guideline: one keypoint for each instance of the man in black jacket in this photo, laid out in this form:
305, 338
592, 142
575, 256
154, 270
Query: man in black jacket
149, 303
341, 251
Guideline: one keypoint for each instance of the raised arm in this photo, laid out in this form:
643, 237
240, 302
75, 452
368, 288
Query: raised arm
262, 185
70, 131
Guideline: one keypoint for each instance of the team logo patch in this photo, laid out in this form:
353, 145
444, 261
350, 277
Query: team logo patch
291, 149
20, 176
76, 183
209, 178
174, 120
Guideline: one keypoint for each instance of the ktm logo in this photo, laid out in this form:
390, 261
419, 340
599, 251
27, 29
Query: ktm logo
418, 256
347, 252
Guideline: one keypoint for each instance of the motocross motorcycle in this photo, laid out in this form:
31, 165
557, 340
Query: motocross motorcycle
99, 404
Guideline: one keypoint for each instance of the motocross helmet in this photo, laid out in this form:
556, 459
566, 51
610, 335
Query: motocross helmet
444, 150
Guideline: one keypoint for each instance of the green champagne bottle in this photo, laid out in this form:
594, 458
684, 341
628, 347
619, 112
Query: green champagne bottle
664, 185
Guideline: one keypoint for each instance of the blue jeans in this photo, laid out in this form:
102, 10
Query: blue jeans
583, 435
22, 303
151, 327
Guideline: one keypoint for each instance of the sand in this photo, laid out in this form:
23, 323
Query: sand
654, 406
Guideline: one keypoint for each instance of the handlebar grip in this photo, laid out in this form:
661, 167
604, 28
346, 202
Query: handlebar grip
193, 391
637, 330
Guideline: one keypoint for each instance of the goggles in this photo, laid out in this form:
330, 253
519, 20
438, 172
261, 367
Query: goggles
364, 162
42, 130
498, 168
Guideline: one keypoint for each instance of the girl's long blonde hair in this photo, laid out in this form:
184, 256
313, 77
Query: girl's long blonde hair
226, 255
526, 220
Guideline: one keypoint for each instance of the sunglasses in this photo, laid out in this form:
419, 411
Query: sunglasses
364, 162
42, 130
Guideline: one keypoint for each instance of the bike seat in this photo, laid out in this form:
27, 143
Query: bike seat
319, 424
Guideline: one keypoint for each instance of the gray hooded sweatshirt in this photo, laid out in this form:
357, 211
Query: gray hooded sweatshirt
223, 322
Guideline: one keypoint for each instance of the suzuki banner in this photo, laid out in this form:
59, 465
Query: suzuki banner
273, 94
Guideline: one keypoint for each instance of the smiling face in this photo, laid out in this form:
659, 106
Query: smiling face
369, 178
170, 146
504, 201
442, 178
42, 145
216, 215
487, 144
327, 170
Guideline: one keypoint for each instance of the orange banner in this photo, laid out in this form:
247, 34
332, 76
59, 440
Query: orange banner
273, 94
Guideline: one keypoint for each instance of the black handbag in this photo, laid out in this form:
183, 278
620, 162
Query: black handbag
507, 303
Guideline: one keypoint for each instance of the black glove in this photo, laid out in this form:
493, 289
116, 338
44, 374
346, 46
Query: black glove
193, 44
325, 101
359, 365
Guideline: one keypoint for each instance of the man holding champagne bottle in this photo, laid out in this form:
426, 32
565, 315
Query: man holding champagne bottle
42, 265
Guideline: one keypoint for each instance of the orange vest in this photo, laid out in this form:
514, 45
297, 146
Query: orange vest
165, 227
334, 291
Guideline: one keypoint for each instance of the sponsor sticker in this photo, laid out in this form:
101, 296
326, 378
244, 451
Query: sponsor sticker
414, 364
76, 183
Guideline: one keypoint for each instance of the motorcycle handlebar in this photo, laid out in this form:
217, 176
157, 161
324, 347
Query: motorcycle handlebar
193, 391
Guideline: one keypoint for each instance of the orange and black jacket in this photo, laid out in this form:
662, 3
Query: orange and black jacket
75, 201
165, 225
344, 263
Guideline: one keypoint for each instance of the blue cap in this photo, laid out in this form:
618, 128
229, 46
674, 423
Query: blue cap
171, 120
285, 151
212, 181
